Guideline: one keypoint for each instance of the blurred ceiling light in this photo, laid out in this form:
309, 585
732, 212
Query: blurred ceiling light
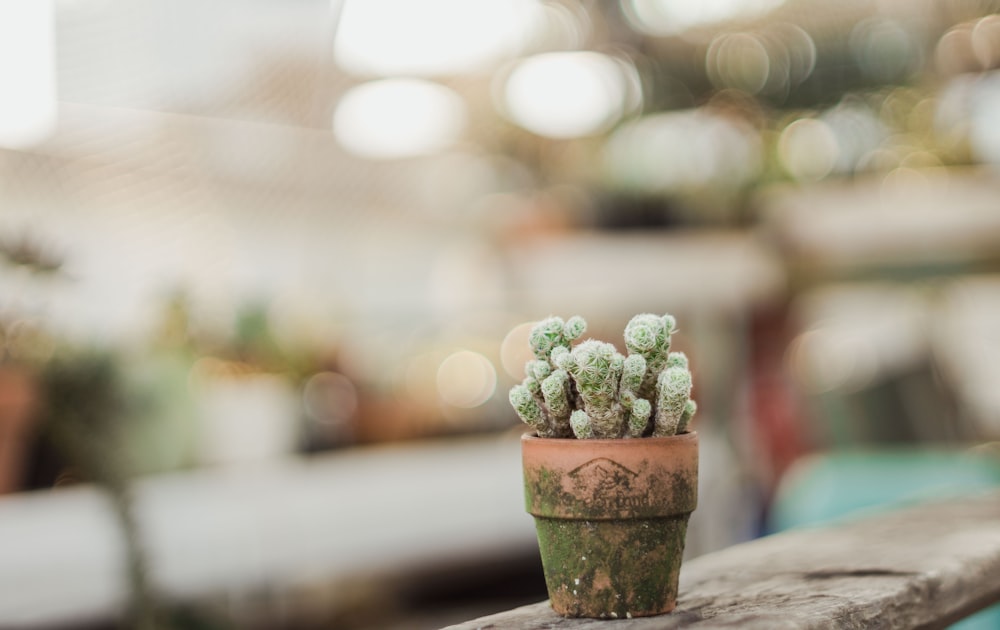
398, 118
671, 17
569, 94
674, 151
430, 37
466, 379
808, 149
27, 72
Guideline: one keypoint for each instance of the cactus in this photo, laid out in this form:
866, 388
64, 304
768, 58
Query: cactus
538, 370
580, 422
638, 409
574, 329
690, 408
672, 390
552, 333
649, 335
592, 391
638, 420
596, 367
677, 359
556, 394
528, 409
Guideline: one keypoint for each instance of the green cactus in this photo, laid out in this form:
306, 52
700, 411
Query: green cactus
574, 329
673, 388
529, 410
552, 333
592, 391
559, 356
546, 335
538, 370
633, 371
580, 423
677, 359
556, 394
638, 420
649, 335
596, 367
690, 408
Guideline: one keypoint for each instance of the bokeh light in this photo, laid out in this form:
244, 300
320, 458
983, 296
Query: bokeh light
770, 62
515, 351
398, 118
858, 133
795, 45
984, 122
568, 94
953, 53
330, 398
985, 41
738, 60
884, 50
825, 360
808, 149
466, 379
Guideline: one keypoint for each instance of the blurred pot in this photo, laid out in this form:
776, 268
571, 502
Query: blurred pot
611, 517
18, 402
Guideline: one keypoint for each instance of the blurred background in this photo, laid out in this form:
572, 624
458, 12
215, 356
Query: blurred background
267, 269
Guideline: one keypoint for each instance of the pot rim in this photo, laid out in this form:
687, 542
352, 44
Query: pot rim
686, 436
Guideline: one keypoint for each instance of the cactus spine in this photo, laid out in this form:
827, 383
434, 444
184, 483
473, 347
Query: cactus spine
592, 391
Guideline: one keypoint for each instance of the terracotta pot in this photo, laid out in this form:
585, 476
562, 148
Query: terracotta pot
611, 517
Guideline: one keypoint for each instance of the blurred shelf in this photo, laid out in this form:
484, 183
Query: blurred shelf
921, 220
374, 511
622, 274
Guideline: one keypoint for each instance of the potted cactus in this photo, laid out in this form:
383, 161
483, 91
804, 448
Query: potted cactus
610, 467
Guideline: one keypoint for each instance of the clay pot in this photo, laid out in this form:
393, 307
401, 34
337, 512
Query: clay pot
611, 517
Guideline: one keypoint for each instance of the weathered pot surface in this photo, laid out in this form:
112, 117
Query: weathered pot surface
611, 517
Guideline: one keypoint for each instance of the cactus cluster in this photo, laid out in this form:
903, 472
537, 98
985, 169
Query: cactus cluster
591, 390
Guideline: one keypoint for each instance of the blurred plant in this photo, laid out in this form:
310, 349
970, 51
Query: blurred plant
593, 391
84, 410
27, 252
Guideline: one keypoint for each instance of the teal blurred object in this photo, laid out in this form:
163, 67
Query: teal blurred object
835, 486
